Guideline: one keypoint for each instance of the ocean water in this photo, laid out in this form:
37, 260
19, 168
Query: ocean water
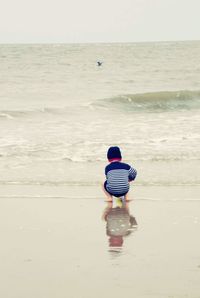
59, 112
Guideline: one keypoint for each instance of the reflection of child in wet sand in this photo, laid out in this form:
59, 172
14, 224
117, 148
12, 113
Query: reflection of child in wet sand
118, 175
119, 223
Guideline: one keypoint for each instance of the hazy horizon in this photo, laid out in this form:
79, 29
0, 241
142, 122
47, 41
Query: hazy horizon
100, 42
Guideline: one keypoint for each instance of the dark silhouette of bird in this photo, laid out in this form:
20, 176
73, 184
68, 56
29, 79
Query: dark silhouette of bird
99, 63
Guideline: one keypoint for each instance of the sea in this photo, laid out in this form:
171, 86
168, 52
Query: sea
60, 112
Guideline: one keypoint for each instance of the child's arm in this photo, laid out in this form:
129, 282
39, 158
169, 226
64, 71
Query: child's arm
132, 174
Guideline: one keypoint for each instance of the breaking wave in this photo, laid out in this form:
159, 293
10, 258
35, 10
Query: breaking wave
12, 114
154, 101
139, 102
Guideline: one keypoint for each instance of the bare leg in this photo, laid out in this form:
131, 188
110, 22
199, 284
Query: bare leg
126, 197
108, 196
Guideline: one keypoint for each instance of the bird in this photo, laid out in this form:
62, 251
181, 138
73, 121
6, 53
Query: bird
99, 63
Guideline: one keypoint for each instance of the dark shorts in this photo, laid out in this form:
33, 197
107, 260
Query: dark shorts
112, 194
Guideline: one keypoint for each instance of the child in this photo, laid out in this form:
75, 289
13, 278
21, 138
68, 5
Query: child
118, 175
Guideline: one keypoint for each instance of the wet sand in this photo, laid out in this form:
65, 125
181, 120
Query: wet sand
57, 246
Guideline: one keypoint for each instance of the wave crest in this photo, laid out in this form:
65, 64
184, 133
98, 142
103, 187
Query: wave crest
154, 101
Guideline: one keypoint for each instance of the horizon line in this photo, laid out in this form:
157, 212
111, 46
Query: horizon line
98, 42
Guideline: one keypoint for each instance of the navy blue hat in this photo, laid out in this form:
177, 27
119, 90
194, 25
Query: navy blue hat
114, 153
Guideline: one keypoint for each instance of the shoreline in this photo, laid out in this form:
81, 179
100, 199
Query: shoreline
153, 192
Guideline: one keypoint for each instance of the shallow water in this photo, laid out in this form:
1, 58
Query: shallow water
60, 112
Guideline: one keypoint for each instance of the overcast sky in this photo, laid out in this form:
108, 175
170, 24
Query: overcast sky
98, 20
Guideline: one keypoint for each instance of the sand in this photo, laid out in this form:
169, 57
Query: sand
55, 245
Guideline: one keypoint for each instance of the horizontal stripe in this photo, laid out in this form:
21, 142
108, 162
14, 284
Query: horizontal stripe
118, 175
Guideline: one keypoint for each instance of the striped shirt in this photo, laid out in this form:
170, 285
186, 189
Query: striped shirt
118, 175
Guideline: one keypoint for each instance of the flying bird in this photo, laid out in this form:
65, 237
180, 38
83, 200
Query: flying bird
99, 63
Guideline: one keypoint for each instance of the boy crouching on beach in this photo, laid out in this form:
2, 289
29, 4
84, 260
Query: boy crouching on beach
118, 175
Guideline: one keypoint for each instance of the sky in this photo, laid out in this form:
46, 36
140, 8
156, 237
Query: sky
74, 21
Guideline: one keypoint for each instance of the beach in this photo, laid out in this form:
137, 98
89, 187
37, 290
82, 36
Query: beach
59, 113
59, 247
